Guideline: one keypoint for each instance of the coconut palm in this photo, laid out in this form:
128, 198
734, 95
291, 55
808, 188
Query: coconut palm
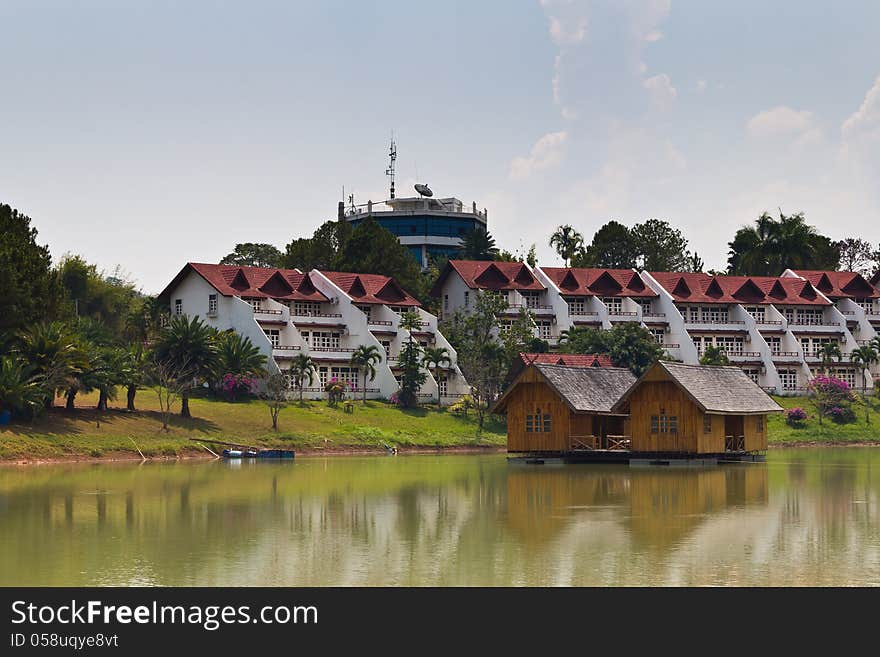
365, 357
567, 242
188, 345
302, 368
863, 358
438, 357
828, 353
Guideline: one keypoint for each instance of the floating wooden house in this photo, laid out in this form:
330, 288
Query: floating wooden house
673, 410
558, 409
696, 409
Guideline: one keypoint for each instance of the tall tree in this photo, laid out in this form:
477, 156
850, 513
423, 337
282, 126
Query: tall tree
372, 249
253, 254
477, 244
628, 345
321, 250
30, 289
613, 247
856, 254
189, 346
770, 246
302, 369
567, 242
828, 353
660, 246
436, 357
412, 376
863, 357
365, 358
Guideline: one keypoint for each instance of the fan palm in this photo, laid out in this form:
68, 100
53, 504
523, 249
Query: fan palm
365, 357
477, 244
567, 242
52, 350
21, 386
302, 367
236, 354
188, 346
863, 358
438, 357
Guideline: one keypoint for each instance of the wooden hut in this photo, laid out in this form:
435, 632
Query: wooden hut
696, 409
557, 409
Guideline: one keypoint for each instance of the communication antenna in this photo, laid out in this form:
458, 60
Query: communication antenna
351, 203
392, 156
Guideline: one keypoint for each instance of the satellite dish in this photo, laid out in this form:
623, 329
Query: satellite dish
423, 190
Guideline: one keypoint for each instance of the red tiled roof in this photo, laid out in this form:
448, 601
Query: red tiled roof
840, 284
570, 360
255, 282
704, 288
371, 288
492, 275
573, 281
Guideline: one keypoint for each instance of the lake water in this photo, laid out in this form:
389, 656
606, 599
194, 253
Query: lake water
806, 517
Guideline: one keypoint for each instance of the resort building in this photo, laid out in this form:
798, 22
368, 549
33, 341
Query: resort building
773, 328
324, 314
672, 410
428, 227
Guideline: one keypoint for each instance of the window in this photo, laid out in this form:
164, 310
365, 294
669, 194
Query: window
531, 298
614, 304
698, 343
544, 331
752, 373
659, 335
274, 336
538, 422
846, 374
256, 304
178, 306
212, 304
323, 339
866, 304
715, 315
305, 308
386, 344
788, 379
443, 386
467, 301
757, 312
707, 423
730, 344
576, 306
775, 345
645, 305
445, 302
664, 424
760, 424
366, 310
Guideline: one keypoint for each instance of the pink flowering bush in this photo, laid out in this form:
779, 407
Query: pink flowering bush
236, 386
335, 390
795, 417
833, 398
394, 399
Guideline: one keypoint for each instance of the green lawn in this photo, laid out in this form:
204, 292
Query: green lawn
828, 432
312, 426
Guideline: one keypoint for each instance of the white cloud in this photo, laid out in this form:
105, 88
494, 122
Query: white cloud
546, 153
866, 120
663, 94
780, 121
569, 31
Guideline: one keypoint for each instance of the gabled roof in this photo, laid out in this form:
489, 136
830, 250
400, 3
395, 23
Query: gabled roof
841, 284
252, 282
715, 389
704, 288
570, 360
371, 288
584, 389
580, 281
489, 275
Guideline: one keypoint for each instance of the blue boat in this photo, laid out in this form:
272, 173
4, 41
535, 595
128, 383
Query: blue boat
258, 454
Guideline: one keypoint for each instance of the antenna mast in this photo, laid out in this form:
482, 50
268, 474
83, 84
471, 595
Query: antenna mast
392, 155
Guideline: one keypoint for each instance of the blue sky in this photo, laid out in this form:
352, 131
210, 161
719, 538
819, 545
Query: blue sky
145, 134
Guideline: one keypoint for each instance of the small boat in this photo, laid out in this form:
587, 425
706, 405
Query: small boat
258, 454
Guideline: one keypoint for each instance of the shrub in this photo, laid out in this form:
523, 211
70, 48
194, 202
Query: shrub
841, 414
335, 390
394, 399
795, 417
234, 386
462, 406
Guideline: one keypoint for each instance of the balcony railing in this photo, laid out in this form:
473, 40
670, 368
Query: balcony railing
622, 313
786, 355
341, 349
298, 316
707, 320
379, 322
811, 321
670, 345
286, 347
743, 354
266, 311
582, 313
652, 315
768, 322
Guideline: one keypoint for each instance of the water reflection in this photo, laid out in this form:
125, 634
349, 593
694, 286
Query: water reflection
807, 517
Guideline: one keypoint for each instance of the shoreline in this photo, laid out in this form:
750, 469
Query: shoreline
341, 451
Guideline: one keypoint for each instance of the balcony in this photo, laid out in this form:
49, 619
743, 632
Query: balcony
744, 356
709, 321
269, 316
623, 316
514, 309
285, 351
787, 356
651, 315
331, 353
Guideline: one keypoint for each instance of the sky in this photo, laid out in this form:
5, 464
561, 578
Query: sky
142, 135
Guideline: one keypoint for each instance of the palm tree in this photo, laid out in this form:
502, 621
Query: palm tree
188, 345
302, 367
133, 364
567, 242
438, 357
828, 353
52, 350
236, 354
771, 246
477, 244
366, 357
21, 387
863, 358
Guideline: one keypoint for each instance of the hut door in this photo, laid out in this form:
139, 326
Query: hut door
734, 435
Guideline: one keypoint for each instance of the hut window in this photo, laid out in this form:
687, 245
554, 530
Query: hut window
546, 423
707, 423
530, 423
538, 423
760, 424
664, 424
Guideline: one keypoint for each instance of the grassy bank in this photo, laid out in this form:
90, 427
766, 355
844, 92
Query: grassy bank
828, 432
313, 426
